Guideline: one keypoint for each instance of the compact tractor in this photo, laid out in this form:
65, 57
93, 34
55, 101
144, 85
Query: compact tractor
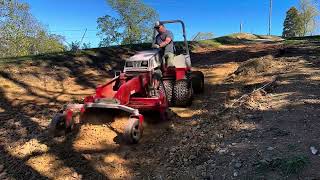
133, 91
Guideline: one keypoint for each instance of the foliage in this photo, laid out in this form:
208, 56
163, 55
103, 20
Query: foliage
134, 24
286, 166
75, 46
21, 34
292, 26
86, 45
302, 22
308, 15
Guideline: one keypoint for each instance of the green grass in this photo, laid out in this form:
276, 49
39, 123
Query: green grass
16, 60
286, 166
231, 39
316, 38
299, 40
212, 43
292, 146
236, 38
293, 42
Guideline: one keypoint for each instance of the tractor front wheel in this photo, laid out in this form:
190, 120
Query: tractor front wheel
133, 131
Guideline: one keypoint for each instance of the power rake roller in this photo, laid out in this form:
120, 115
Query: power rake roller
136, 89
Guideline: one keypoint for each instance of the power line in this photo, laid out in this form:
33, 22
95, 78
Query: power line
74, 30
80, 36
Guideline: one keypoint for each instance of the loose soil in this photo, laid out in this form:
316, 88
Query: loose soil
267, 135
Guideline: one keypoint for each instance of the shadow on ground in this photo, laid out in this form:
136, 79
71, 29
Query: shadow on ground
169, 148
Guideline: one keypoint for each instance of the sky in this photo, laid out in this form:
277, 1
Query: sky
70, 18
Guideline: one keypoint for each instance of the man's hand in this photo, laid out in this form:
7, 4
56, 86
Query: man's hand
166, 42
156, 46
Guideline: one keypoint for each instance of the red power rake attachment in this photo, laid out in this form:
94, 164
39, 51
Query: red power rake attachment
137, 89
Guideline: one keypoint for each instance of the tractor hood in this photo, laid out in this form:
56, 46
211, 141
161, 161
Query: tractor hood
144, 55
143, 61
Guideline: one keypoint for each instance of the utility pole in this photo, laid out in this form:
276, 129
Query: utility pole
270, 17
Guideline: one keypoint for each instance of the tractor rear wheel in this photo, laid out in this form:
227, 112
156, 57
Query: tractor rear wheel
182, 93
133, 131
197, 78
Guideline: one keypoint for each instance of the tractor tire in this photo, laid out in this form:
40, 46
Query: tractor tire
57, 126
168, 86
133, 131
182, 93
197, 78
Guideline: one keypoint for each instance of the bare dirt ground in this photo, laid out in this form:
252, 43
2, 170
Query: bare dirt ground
265, 135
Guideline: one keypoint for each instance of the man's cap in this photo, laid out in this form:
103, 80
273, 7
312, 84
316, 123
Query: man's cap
158, 24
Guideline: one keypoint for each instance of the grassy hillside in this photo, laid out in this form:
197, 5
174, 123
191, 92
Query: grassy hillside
317, 38
112, 54
234, 39
299, 40
240, 38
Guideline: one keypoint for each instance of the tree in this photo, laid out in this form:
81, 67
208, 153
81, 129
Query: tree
47, 43
134, 24
21, 34
308, 15
292, 24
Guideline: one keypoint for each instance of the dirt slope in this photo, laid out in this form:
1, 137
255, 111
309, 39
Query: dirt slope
265, 136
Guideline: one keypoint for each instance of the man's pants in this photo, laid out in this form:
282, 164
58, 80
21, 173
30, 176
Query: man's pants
168, 59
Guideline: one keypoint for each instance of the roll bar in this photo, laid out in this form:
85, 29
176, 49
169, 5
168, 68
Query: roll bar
183, 29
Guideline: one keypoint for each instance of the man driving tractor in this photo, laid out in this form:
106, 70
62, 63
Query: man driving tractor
164, 41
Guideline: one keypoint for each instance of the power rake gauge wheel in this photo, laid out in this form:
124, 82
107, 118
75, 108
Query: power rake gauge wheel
133, 131
57, 125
